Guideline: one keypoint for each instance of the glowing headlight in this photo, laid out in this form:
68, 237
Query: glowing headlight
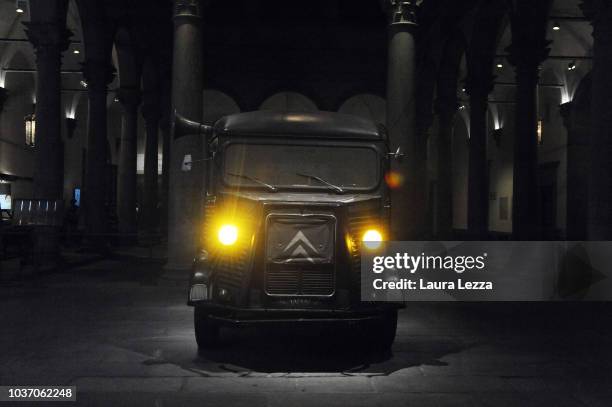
372, 239
228, 234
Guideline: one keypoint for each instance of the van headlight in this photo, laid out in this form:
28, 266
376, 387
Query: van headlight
372, 239
228, 234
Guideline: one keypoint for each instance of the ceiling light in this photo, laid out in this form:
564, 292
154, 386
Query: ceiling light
556, 26
571, 66
500, 65
76, 51
20, 6
83, 84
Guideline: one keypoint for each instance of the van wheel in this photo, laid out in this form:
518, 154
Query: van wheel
206, 329
384, 331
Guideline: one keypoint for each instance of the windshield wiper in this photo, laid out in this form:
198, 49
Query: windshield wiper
322, 181
253, 179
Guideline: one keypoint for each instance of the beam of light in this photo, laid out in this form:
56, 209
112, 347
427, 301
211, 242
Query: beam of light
72, 106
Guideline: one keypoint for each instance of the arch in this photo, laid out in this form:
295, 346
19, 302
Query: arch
217, 104
289, 102
366, 105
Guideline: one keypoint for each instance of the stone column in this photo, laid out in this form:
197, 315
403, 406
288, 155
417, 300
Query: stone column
480, 84
151, 114
98, 74
600, 150
126, 173
527, 51
185, 192
49, 40
446, 110
408, 211
164, 132
575, 120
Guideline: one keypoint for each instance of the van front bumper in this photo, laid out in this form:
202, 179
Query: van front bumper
229, 315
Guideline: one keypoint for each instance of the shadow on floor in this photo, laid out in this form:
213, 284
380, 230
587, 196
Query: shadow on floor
318, 350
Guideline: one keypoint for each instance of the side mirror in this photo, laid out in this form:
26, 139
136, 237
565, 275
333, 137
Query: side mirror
398, 155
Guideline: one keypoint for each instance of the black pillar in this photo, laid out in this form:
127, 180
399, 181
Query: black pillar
480, 84
185, 190
446, 110
408, 208
151, 114
49, 39
126, 177
600, 150
164, 131
98, 74
576, 118
527, 51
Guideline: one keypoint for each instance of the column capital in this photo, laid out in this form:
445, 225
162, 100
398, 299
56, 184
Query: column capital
529, 47
599, 12
596, 10
527, 53
187, 9
479, 84
48, 35
403, 14
129, 97
98, 74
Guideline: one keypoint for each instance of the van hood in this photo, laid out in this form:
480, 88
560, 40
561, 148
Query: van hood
306, 197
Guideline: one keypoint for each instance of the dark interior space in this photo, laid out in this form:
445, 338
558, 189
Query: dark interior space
191, 191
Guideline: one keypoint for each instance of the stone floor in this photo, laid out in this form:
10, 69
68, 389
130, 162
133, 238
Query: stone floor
124, 337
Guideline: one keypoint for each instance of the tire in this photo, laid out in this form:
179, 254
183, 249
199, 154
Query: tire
206, 329
383, 331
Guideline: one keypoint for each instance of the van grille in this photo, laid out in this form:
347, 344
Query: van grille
300, 282
300, 250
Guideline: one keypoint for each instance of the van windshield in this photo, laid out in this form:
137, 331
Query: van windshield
326, 167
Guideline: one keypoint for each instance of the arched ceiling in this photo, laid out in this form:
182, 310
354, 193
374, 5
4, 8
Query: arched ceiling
229, 24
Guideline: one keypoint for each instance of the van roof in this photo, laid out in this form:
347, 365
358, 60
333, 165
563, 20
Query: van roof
324, 125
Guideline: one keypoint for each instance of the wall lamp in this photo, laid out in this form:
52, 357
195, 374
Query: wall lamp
30, 129
3, 96
21, 6
497, 135
70, 127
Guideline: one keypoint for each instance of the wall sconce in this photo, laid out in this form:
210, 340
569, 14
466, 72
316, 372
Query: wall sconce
540, 140
3, 96
497, 136
30, 128
70, 127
